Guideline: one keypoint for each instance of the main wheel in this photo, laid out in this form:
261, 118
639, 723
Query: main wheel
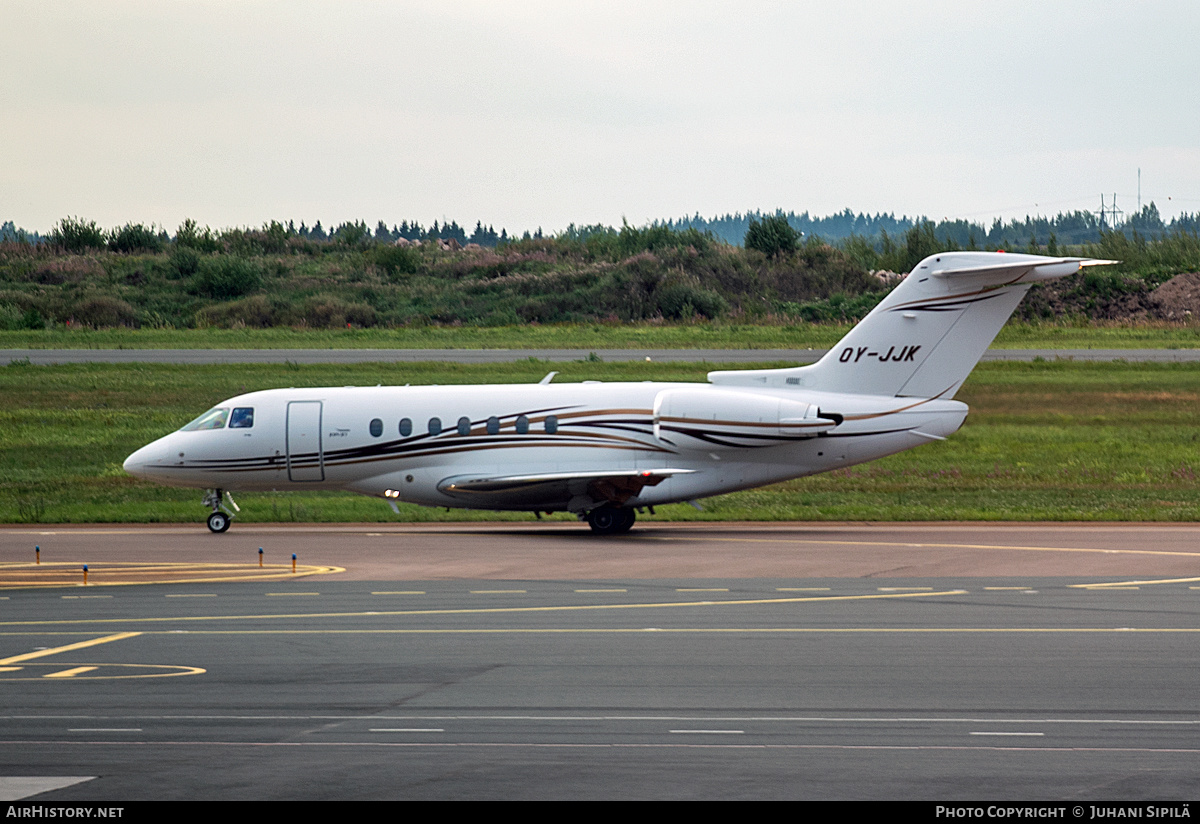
611, 520
219, 522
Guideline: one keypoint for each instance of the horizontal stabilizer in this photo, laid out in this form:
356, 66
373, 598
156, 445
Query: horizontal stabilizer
1017, 268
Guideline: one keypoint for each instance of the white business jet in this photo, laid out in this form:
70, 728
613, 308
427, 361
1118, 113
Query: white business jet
605, 451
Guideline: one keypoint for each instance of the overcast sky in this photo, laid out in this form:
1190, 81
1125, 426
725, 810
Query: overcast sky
546, 113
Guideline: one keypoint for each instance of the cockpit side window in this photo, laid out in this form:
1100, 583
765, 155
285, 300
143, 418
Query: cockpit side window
212, 419
242, 417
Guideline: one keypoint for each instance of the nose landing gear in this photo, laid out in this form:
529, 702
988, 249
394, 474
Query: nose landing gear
219, 521
222, 515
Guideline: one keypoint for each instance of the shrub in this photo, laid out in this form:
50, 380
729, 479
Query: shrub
77, 235
681, 301
134, 237
327, 312
185, 261
356, 235
258, 312
818, 271
104, 310
68, 270
659, 238
773, 236
32, 319
227, 277
13, 319
632, 287
396, 261
191, 236
274, 237
835, 309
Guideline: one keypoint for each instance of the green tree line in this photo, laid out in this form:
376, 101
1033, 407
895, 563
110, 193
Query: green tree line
142, 276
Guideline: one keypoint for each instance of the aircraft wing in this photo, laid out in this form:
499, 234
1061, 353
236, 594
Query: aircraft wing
576, 491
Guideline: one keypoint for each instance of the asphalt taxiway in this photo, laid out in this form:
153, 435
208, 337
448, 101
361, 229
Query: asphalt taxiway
921, 661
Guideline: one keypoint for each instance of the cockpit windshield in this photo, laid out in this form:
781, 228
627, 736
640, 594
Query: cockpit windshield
212, 419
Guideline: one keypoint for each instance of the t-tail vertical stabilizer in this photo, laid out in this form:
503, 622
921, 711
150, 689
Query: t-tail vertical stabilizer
926, 336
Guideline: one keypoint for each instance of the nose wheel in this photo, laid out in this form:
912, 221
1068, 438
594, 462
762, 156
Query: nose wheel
221, 516
219, 522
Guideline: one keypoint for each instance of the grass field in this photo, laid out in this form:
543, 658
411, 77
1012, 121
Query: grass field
715, 335
1053, 440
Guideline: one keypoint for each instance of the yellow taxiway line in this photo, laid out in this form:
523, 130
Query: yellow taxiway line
42, 653
481, 610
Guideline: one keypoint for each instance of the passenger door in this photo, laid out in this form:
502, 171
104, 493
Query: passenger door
306, 462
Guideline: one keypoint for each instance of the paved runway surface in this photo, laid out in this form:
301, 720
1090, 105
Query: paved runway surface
52, 356
943, 662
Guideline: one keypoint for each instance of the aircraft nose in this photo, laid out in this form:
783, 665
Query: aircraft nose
134, 463
143, 459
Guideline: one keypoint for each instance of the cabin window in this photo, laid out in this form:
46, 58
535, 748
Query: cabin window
522, 424
464, 426
405, 427
212, 419
242, 418
376, 427
435, 426
493, 425
551, 424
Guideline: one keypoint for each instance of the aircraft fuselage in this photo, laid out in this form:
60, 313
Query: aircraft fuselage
405, 443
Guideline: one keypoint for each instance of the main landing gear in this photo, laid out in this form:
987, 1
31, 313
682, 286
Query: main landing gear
611, 520
222, 515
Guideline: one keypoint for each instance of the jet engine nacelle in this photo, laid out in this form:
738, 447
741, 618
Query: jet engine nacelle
722, 419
